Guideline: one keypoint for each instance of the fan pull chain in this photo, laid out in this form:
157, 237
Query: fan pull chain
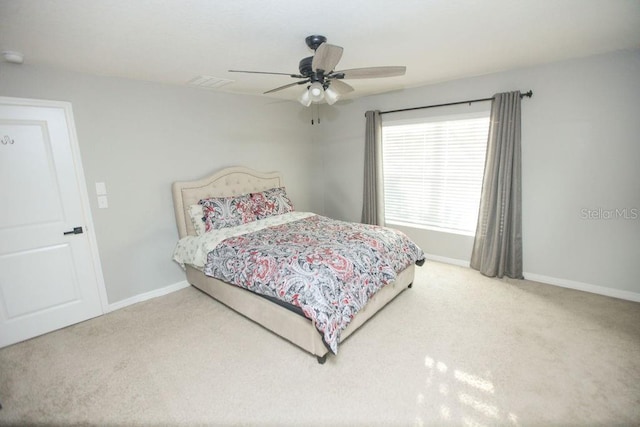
317, 117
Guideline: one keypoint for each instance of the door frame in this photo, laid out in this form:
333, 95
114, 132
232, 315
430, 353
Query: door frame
89, 228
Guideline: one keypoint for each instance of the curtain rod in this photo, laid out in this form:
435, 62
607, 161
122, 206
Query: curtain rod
528, 94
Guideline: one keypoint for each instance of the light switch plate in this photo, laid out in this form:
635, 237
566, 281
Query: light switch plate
101, 188
103, 203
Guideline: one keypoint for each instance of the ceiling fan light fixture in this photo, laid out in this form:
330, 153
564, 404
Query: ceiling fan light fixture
316, 91
305, 98
318, 71
331, 96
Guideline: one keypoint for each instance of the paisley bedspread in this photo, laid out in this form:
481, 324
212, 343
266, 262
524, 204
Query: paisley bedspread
327, 268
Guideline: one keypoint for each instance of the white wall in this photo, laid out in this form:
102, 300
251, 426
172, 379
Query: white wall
139, 137
580, 134
580, 151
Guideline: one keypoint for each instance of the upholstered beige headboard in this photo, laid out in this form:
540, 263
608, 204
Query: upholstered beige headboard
227, 182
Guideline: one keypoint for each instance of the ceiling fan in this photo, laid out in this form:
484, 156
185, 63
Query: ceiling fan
324, 83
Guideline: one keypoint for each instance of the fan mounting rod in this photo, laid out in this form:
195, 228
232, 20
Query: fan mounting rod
314, 41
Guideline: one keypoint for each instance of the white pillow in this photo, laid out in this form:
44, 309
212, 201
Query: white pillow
196, 214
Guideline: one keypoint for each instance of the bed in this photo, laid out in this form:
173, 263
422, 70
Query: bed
276, 317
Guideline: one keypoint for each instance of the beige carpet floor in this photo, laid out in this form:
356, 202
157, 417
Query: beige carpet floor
456, 349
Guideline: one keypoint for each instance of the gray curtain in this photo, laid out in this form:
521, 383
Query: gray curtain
373, 196
497, 248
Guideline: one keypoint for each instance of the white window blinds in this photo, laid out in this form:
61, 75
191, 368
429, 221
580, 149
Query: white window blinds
433, 172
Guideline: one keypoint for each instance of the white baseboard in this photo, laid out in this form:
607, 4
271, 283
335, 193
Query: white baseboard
148, 295
571, 284
564, 283
454, 261
586, 287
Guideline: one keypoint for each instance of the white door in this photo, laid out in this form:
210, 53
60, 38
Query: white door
50, 276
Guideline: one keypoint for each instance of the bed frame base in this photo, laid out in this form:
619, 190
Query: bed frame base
295, 328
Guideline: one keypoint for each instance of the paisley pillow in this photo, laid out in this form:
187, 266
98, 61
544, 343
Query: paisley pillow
271, 202
221, 212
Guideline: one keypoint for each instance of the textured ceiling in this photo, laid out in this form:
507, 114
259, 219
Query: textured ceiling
173, 41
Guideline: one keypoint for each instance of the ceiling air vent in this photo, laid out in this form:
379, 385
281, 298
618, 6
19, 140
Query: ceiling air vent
208, 82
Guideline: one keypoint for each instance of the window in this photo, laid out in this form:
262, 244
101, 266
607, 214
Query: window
433, 171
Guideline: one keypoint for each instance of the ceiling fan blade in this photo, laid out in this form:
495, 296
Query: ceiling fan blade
295, 76
371, 72
341, 87
286, 86
326, 57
